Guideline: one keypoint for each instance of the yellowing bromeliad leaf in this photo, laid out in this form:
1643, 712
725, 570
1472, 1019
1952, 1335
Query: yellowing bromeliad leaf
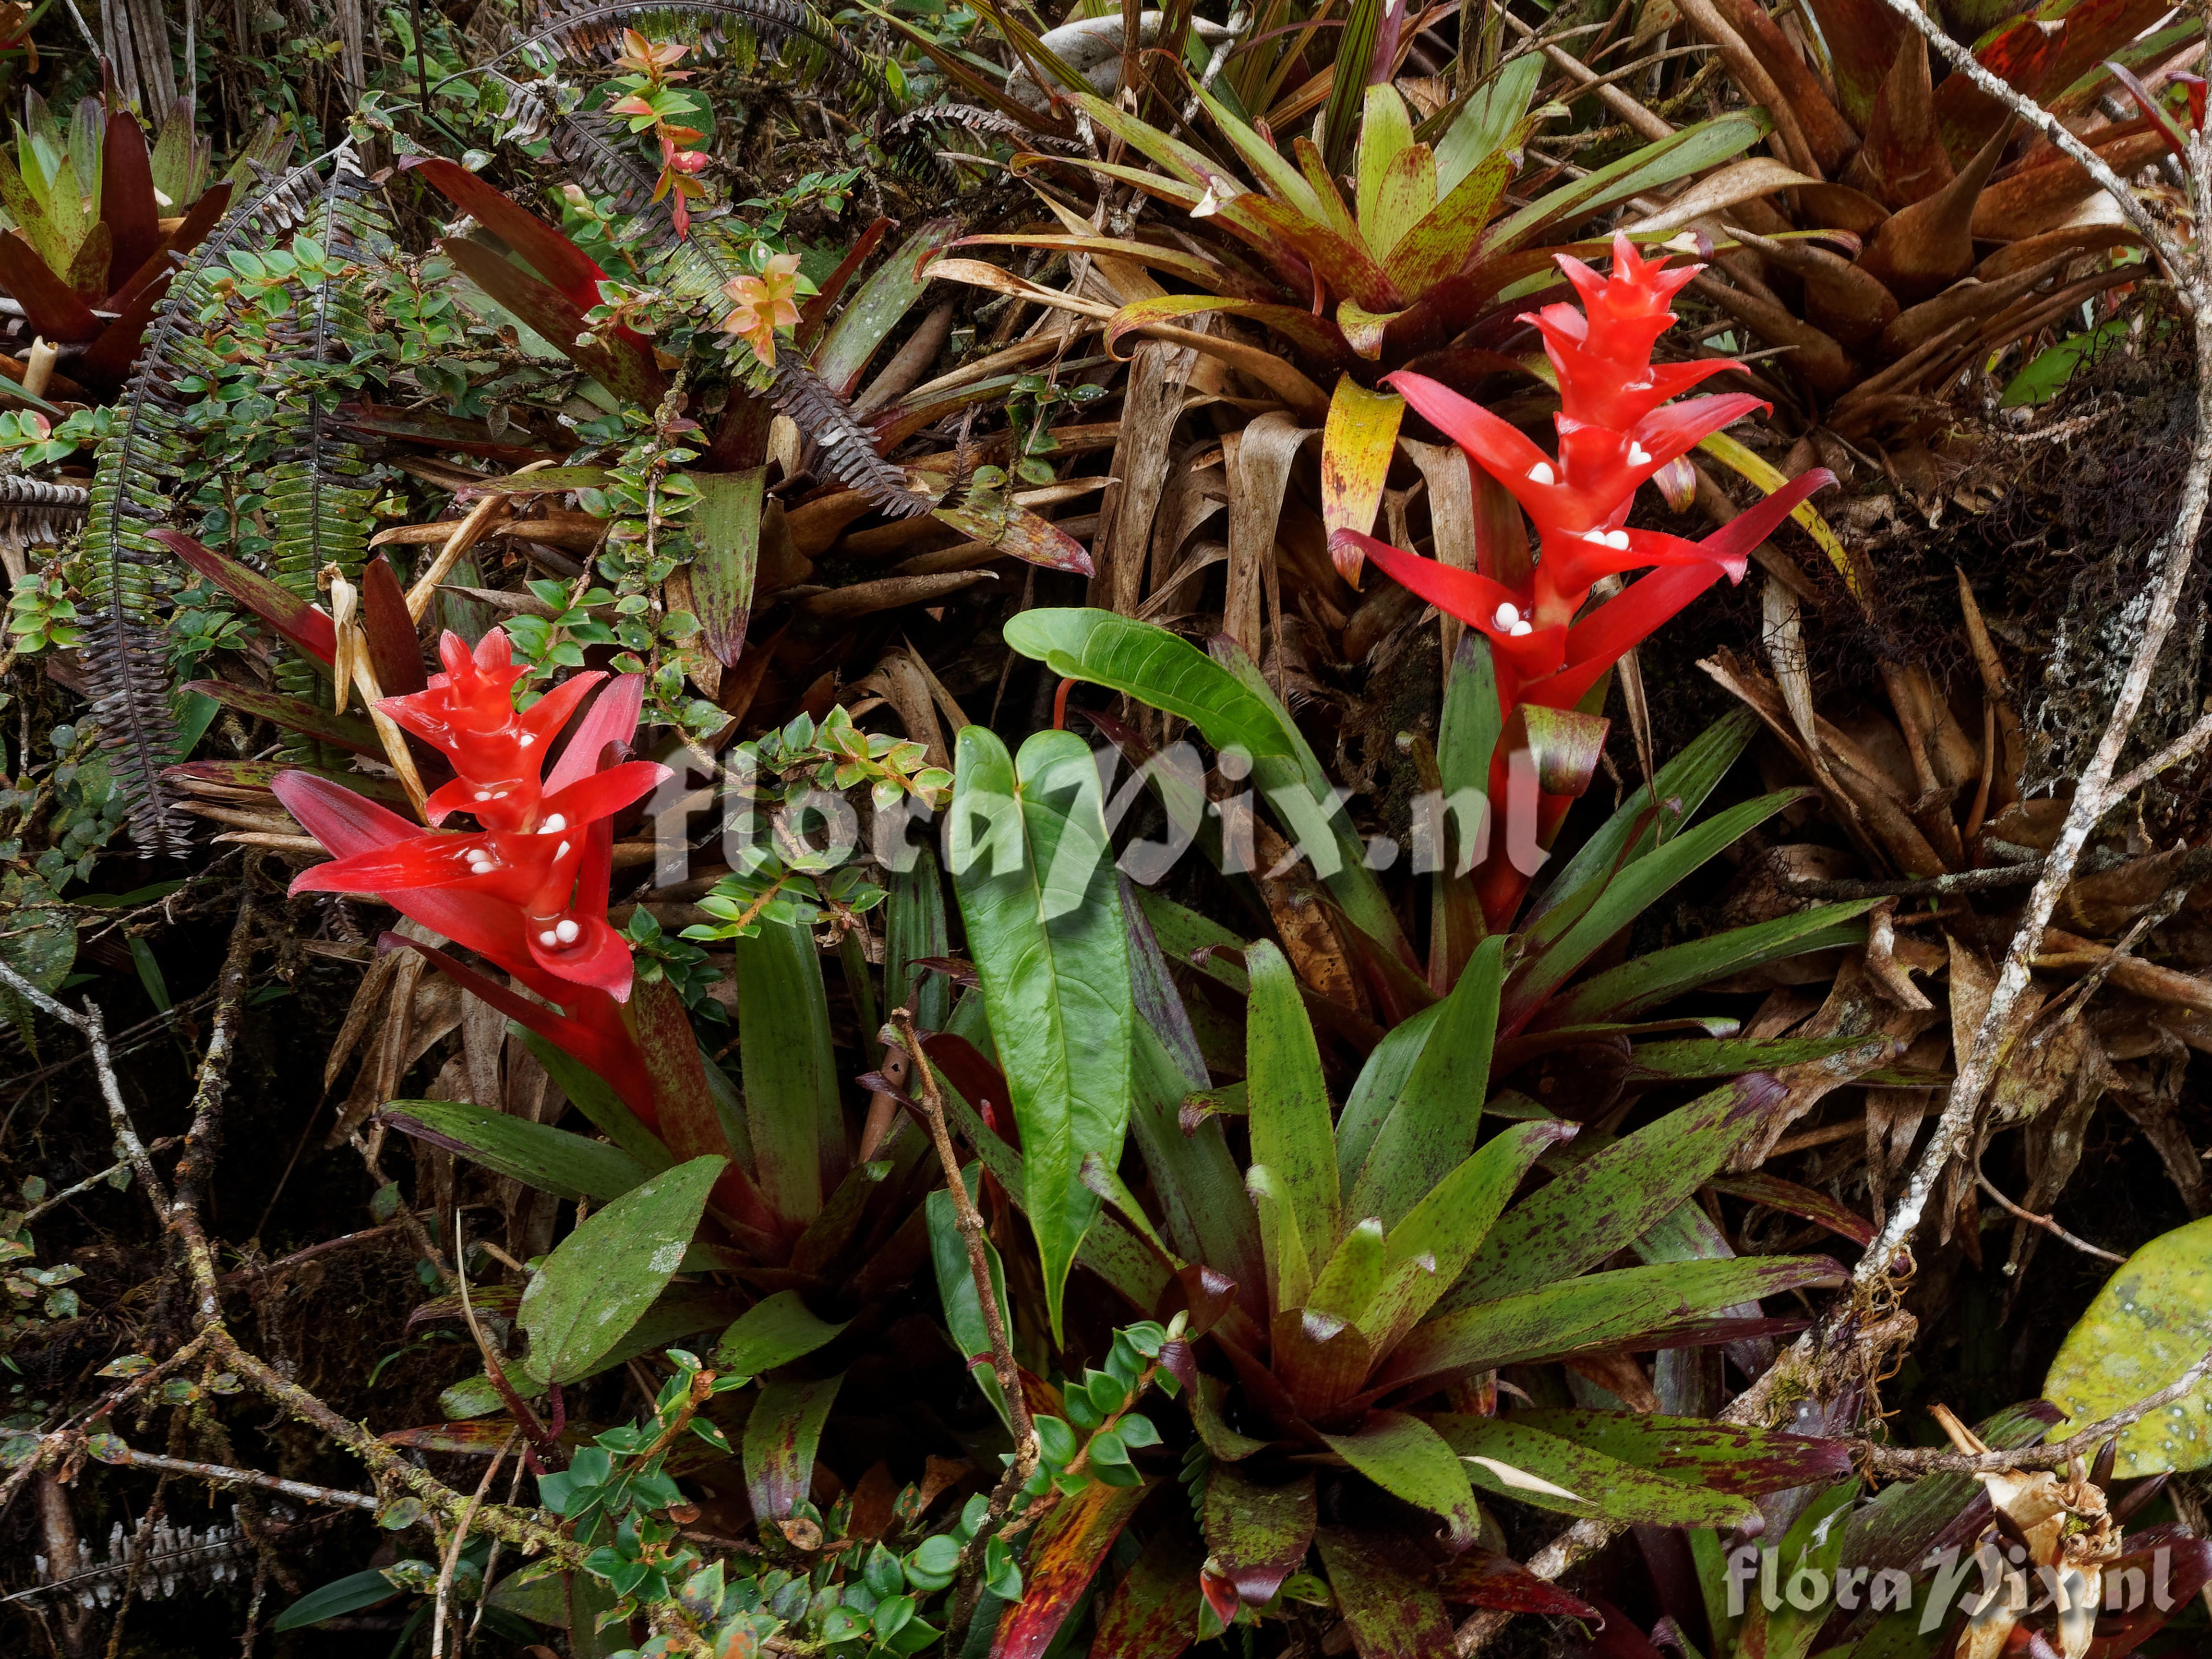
2151, 1322
1357, 446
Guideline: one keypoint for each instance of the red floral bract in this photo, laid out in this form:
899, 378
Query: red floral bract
528, 891
1616, 429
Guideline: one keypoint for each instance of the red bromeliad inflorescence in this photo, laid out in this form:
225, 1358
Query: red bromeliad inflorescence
1616, 429
527, 891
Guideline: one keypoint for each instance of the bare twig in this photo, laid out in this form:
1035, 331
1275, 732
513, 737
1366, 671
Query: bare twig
1962, 881
216, 1474
452, 1561
1917, 1461
90, 1182
2047, 1223
970, 1223
995, 1321
2175, 753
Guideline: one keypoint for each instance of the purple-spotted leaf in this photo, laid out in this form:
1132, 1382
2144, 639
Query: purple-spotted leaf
1740, 1462
1153, 1612
780, 1439
1024, 535
1627, 1308
1411, 1461
1504, 1455
1392, 1613
1615, 1195
1258, 1535
1064, 1556
1357, 446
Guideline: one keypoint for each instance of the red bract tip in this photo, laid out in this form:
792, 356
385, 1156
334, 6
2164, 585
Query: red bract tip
527, 891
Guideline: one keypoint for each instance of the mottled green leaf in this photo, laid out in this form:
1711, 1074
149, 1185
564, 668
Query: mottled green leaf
2151, 1322
603, 1276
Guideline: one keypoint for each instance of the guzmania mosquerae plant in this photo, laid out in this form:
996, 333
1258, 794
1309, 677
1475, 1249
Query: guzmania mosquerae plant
1549, 647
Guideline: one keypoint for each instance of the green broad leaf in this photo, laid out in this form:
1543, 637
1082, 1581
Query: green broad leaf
1126, 1262
1190, 940
1194, 1177
1348, 1283
1743, 1462
340, 1596
1597, 1310
796, 1121
1688, 150
2048, 372
1379, 1087
1431, 1247
2146, 1328
1613, 1197
1143, 661
1648, 981
537, 1155
1682, 786
771, 1333
1287, 1104
472, 1396
1548, 962
590, 1094
1282, 1243
601, 1278
1503, 1456
1430, 1127
957, 1295
1033, 869
1411, 1461
781, 1437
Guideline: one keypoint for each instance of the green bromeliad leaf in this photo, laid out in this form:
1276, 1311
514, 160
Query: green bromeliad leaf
552, 1160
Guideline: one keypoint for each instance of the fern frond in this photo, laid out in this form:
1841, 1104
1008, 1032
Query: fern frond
849, 448
791, 34
318, 508
140, 462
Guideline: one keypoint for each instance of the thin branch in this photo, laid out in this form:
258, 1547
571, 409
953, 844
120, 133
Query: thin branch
216, 1474
2047, 1223
1963, 881
452, 1561
2175, 753
91, 1181
2178, 259
1914, 1460
970, 1223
